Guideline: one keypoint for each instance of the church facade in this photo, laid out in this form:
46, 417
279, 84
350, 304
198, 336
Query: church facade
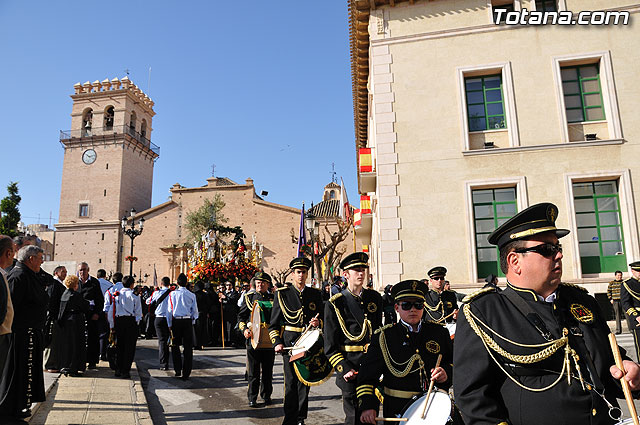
108, 170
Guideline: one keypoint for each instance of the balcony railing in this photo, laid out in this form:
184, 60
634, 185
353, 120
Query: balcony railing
102, 132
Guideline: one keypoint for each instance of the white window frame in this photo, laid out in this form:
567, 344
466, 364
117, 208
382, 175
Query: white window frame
88, 204
504, 68
517, 5
522, 201
627, 212
607, 84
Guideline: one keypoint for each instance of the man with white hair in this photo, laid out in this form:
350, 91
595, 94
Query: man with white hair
23, 383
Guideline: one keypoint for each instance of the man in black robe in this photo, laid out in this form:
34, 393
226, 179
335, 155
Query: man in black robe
22, 382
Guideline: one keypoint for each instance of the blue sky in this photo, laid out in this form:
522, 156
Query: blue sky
261, 89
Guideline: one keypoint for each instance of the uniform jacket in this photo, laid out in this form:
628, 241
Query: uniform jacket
291, 313
397, 343
244, 315
437, 310
630, 300
351, 311
486, 394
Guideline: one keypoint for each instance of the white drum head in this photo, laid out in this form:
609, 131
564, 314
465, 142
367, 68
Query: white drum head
437, 413
305, 342
451, 327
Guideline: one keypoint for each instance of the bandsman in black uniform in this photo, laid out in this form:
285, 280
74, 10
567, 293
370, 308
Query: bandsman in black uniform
537, 352
261, 358
613, 294
630, 300
294, 307
405, 354
349, 321
441, 306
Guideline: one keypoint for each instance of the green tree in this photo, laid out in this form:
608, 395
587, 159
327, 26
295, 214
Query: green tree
207, 217
9, 213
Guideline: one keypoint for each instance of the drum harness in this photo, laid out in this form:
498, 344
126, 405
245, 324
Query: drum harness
548, 349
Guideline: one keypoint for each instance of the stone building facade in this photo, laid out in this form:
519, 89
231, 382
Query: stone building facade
461, 122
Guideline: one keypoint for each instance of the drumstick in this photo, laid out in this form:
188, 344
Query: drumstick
315, 317
426, 403
392, 419
625, 384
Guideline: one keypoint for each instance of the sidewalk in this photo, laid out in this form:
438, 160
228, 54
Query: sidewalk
96, 398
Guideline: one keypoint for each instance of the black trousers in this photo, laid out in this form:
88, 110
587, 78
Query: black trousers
260, 360
93, 340
162, 330
618, 313
182, 330
296, 395
103, 335
126, 336
349, 402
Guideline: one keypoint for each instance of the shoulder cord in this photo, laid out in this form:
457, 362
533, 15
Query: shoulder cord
366, 325
437, 307
551, 348
390, 362
633, 293
248, 302
292, 317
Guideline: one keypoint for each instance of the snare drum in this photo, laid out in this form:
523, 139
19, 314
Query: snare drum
437, 412
309, 361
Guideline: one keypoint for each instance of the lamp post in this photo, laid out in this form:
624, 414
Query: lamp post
311, 224
132, 232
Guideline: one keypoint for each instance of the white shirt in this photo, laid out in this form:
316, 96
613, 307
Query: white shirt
125, 303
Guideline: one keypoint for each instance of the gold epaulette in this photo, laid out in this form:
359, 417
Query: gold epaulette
284, 287
573, 285
381, 328
476, 294
335, 297
433, 322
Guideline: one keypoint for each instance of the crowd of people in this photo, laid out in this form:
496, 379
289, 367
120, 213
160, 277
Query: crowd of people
533, 352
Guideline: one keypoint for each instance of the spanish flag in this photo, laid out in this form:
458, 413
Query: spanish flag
366, 161
365, 204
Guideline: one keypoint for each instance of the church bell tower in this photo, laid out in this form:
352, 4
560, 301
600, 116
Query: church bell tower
107, 170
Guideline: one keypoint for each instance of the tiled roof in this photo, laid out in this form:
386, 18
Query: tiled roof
328, 208
332, 185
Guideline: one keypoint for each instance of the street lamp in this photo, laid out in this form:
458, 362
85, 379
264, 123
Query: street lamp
132, 232
311, 225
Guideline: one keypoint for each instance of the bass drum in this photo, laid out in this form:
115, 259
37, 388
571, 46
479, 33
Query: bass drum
309, 361
260, 316
438, 410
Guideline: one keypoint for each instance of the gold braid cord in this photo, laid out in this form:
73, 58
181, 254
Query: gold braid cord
366, 325
248, 302
293, 318
437, 307
550, 348
633, 293
391, 362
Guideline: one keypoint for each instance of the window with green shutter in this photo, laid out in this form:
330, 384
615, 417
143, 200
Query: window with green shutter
582, 93
485, 103
599, 226
491, 208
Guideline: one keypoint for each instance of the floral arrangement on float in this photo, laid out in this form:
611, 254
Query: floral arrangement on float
213, 260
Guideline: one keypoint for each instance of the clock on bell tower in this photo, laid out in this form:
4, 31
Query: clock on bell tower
107, 170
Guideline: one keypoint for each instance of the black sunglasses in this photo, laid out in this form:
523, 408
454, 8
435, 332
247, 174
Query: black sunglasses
438, 278
548, 250
406, 305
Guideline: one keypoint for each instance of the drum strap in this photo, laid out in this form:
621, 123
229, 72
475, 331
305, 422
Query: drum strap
529, 314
